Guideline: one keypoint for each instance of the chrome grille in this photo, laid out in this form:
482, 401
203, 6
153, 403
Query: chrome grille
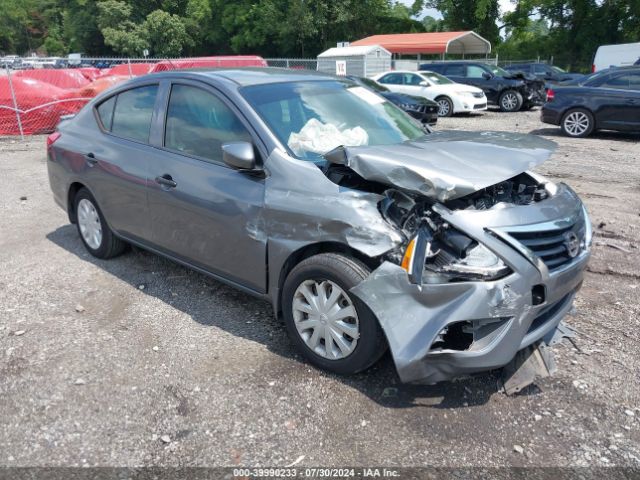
553, 246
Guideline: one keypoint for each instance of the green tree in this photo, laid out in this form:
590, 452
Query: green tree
477, 15
165, 34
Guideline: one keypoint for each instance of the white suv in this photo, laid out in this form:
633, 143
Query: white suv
451, 97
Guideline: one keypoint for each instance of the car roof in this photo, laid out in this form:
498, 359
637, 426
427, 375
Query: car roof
254, 75
459, 62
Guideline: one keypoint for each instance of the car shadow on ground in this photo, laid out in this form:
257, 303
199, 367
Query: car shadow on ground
598, 135
248, 317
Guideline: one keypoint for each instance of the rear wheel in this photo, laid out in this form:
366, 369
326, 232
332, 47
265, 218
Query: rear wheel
510, 101
445, 106
328, 324
577, 123
94, 232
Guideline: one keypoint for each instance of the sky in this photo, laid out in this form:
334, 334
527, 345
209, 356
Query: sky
505, 6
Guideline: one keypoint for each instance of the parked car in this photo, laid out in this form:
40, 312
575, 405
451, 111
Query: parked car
510, 91
608, 101
548, 73
9, 61
451, 97
620, 55
420, 108
361, 228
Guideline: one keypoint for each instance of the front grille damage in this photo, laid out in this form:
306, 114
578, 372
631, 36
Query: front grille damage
442, 246
555, 247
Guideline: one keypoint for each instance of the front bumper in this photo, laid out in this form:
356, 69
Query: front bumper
548, 115
415, 316
428, 117
469, 104
535, 95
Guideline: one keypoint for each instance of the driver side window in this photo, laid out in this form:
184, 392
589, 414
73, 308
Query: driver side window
198, 123
473, 71
412, 79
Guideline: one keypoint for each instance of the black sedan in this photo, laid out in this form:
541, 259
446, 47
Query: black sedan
610, 101
548, 73
419, 108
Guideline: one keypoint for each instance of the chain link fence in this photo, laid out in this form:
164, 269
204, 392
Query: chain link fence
293, 63
36, 92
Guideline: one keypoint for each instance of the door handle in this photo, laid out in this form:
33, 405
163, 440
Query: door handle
91, 159
166, 181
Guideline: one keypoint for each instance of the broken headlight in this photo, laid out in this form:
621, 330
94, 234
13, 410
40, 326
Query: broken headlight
448, 255
479, 262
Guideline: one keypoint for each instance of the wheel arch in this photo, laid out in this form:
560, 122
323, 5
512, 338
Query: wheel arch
314, 249
580, 106
452, 102
73, 190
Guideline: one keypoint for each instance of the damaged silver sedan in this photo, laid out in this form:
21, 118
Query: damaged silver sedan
365, 231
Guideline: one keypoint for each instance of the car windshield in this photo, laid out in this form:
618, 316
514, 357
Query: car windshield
313, 117
436, 78
497, 70
558, 69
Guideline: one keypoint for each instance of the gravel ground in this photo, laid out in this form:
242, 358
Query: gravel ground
137, 361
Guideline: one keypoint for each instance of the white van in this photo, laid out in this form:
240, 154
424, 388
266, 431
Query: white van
616, 56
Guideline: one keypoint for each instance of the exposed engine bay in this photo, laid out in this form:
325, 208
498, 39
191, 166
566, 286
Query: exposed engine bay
522, 189
436, 252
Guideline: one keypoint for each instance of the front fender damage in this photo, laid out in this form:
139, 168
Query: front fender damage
414, 318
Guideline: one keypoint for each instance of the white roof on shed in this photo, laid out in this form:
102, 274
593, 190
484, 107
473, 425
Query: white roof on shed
352, 51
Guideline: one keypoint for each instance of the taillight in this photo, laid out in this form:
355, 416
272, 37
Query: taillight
550, 95
593, 68
52, 138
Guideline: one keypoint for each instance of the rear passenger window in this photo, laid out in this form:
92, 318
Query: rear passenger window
105, 112
634, 81
133, 111
198, 123
392, 79
454, 71
623, 82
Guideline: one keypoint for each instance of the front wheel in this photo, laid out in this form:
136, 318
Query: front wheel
510, 101
445, 106
577, 123
329, 325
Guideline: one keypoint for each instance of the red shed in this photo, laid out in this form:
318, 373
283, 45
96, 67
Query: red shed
460, 43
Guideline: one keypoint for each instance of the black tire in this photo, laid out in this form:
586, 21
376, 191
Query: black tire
346, 272
527, 106
445, 106
577, 114
110, 245
510, 101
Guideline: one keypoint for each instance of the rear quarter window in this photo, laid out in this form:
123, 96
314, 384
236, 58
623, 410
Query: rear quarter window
133, 111
105, 112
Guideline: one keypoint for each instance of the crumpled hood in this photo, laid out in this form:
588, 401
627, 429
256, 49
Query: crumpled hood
448, 164
518, 74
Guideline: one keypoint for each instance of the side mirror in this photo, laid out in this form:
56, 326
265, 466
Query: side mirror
487, 75
239, 155
424, 83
